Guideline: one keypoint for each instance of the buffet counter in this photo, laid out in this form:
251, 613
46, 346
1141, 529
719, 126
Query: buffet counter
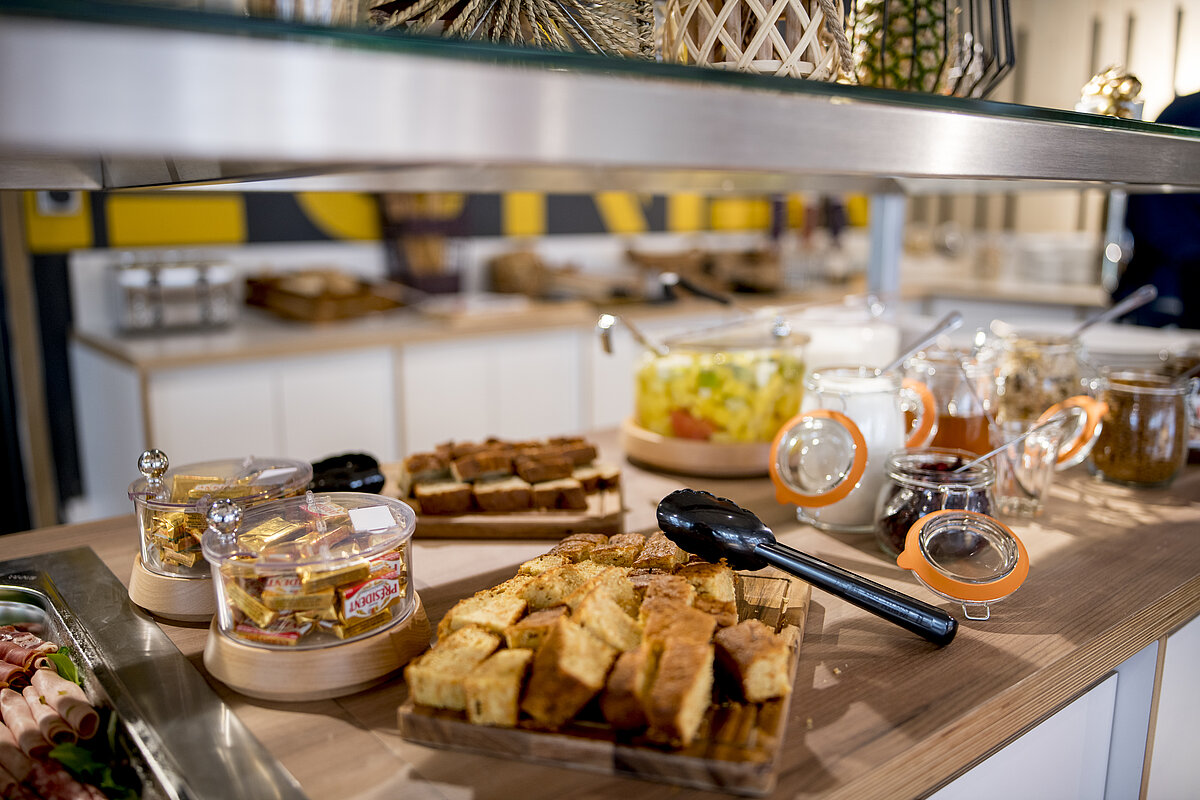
875, 712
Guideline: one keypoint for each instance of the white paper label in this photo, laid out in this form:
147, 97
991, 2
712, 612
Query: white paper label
372, 518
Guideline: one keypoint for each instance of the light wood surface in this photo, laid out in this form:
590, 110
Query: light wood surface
171, 597
876, 712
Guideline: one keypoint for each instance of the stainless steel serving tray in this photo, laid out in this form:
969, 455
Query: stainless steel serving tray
191, 744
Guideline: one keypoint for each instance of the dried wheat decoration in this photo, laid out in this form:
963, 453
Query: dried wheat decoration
797, 38
606, 27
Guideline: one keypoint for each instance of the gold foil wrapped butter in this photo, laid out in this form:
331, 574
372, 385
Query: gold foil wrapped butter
250, 605
346, 630
314, 578
186, 559
182, 485
320, 600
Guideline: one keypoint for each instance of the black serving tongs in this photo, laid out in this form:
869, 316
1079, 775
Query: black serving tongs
715, 528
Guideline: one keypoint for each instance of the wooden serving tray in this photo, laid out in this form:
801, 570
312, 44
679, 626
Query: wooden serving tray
737, 750
693, 456
605, 514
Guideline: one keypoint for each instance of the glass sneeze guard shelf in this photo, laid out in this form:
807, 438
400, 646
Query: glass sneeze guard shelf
96, 95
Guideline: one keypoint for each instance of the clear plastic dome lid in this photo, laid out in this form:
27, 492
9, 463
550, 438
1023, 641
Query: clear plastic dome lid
321, 531
246, 481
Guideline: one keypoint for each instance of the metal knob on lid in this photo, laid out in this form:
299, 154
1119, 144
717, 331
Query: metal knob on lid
153, 465
224, 516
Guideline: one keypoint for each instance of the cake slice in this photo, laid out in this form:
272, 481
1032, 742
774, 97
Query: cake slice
665, 620
681, 692
540, 468
610, 581
756, 658
443, 497
542, 564
506, 494
436, 677
566, 493
493, 689
531, 631
624, 692
492, 612
569, 670
554, 586
482, 465
620, 550
660, 553
606, 620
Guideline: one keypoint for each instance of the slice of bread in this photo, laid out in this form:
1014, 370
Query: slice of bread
669, 587
712, 581
666, 620
482, 465
756, 658
564, 493
540, 468
681, 692
610, 581
569, 670
493, 689
436, 677
554, 586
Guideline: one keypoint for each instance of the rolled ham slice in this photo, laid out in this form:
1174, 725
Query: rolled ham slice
10, 674
15, 762
13, 653
20, 721
21, 638
68, 700
52, 726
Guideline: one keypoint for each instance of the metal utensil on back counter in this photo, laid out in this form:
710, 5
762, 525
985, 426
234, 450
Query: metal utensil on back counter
947, 324
715, 528
1057, 418
1134, 301
604, 327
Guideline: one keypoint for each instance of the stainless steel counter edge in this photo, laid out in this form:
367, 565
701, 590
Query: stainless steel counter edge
201, 748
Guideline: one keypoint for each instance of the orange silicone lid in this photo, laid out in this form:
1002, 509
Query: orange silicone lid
913, 558
1094, 411
920, 436
786, 494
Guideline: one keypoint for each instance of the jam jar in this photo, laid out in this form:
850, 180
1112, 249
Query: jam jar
921, 481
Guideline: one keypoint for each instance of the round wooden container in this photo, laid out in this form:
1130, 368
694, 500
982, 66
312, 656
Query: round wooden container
692, 456
170, 596
320, 673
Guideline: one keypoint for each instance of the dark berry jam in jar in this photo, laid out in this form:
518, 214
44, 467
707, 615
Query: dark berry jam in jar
921, 481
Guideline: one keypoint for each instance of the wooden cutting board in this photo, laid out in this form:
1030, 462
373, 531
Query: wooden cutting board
605, 514
739, 743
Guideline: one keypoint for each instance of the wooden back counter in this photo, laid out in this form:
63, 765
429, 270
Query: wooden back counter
876, 712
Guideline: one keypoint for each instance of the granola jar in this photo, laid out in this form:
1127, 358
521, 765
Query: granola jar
1035, 371
312, 571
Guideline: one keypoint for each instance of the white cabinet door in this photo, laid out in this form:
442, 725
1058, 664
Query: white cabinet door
1064, 757
213, 412
1175, 761
305, 408
338, 403
515, 386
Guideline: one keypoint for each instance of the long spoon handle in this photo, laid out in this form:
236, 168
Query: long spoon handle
947, 324
929, 622
1136, 300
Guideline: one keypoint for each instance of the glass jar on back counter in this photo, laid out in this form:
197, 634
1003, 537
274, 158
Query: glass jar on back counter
922, 480
961, 386
1035, 371
1144, 438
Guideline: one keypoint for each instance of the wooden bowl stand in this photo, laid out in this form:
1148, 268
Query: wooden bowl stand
170, 596
320, 673
693, 456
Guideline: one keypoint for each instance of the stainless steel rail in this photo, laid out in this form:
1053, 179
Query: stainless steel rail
87, 104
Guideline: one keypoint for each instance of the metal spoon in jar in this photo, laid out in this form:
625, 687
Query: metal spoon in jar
604, 327
1057, 418
715, 528
947, 324
1134, 301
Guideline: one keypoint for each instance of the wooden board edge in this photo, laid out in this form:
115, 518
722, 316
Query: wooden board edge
609, 519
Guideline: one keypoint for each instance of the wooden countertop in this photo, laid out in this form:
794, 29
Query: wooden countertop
260, 334
876, 712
